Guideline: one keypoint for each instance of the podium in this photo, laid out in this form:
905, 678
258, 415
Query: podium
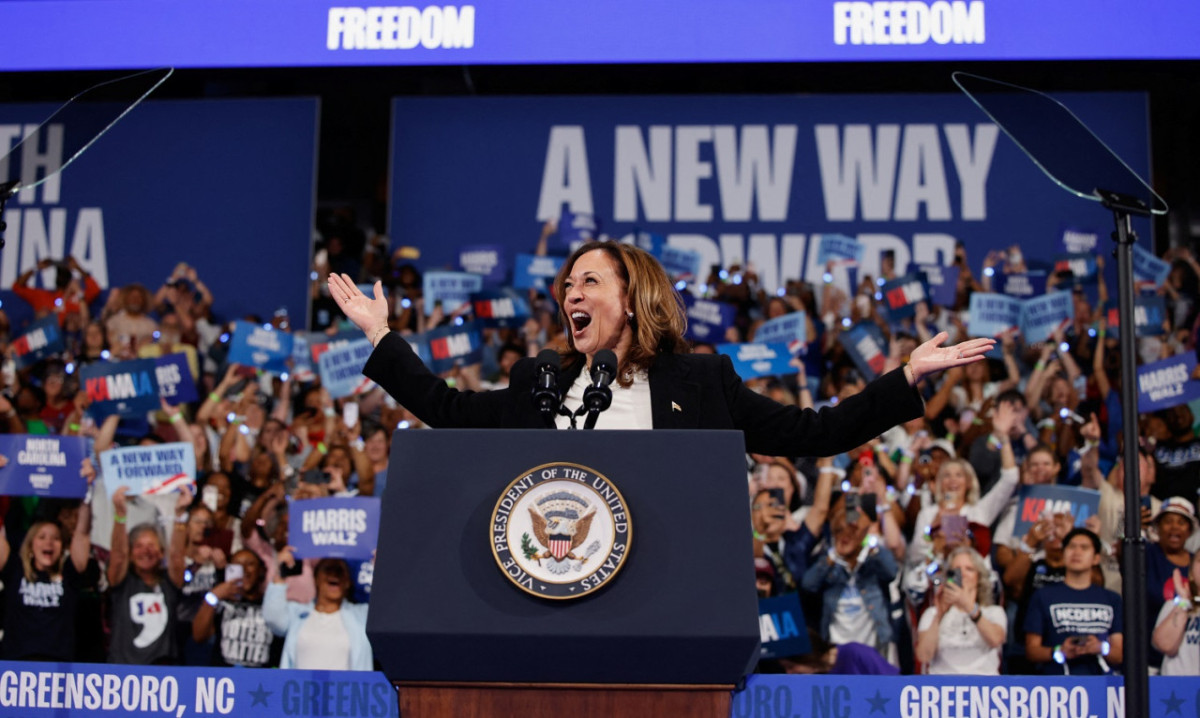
669, 633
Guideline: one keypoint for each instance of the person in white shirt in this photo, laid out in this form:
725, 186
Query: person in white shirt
962, 632
1177, 631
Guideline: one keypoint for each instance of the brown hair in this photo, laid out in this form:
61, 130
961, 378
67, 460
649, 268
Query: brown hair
659, 318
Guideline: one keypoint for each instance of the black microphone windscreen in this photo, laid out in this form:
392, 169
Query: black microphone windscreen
605, 358
548, 356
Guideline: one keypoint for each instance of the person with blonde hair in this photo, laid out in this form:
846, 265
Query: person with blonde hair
617, 297
1177, 630
962, 632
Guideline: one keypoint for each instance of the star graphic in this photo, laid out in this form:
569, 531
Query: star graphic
879, 703
260, 696
1173, 704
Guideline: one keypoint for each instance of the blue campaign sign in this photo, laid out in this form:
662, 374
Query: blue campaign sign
942, 283
486, 260
782, 627
452, 345
44, 339
175, 381
196, 167
149, 470
707, 320
680, 263
1036, 500
43, 465
128, 388
791, 329
1078, 239
1042, 316
1167, 383
500, 308
1149, 268
747, 180
865, 344
339, 527
531, 271
755, 359
1149, 313
993, 314
839, 249
302, 361
452, 289
260, 345
91, 690
341, 368
902, 294
1022, 285
1081, 265
577, 227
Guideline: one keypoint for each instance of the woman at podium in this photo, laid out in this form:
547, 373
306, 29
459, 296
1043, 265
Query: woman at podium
617, 297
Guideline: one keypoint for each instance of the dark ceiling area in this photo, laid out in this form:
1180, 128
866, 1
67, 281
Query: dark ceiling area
355, 103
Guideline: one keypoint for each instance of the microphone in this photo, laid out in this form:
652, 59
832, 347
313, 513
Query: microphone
597, 396
545, 385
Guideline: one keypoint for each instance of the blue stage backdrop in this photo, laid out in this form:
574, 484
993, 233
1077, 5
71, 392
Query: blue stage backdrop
225, 185
742, 177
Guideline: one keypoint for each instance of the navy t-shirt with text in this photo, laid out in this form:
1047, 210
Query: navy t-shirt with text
1058, 612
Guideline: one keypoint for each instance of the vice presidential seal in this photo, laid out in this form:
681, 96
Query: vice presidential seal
560, 531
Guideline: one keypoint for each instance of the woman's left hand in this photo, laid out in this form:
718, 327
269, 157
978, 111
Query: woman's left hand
931, 357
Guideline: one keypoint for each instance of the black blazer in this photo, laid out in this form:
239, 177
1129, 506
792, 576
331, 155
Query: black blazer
687, 391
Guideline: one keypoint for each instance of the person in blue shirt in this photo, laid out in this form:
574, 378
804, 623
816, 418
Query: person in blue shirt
1075, 627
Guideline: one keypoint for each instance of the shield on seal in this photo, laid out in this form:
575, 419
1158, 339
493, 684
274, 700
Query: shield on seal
560, 546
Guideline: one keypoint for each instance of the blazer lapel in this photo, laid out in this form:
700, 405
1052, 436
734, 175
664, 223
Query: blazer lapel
673, 396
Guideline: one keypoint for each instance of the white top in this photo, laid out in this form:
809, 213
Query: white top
982, 512
851, 622
1187, 661
323, 643
630, 407
961, 649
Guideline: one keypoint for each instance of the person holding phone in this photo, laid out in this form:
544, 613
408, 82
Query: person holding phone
962, 632
1177, 630
232, 613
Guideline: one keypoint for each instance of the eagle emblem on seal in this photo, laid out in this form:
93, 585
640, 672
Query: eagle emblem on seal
561, 522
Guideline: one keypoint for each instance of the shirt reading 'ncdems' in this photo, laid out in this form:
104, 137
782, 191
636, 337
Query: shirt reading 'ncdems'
1058, 612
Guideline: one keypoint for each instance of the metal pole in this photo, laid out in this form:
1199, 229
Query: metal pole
1133, 556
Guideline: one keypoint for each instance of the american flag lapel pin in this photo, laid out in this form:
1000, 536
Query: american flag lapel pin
676, 407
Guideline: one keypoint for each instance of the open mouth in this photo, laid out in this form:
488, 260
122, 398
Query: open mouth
580, 320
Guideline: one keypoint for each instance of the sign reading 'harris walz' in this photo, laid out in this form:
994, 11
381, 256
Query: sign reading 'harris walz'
561, 531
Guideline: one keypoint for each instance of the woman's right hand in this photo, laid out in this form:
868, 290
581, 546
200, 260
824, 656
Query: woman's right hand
120, 506
368, 314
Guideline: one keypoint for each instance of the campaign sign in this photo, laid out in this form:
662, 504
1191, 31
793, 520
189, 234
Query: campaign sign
993, 314
452, 289
42, 465
531, 271
345, 527
1042, 316
1034, 500
1149, 268
260, 345
1080, 264
175, 382
680, 263
1076, 240
1167, 382
341, 369
755, 359
44, 339
574, 227
108, 690
452, 345
791, 329
149, 470
650, 242
302, 362
839, 249
500, 308
865, 344
902, 294
320, 342
128, 388
486, 260
781, 627
1149, 313
1022, 284
707, 319
942, 283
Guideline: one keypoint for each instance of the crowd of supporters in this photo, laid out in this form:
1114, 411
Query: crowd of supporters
903, 551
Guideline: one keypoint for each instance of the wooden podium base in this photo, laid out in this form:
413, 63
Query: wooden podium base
555, 700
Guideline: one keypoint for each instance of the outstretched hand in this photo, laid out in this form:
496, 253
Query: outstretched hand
367, 313
931, 357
